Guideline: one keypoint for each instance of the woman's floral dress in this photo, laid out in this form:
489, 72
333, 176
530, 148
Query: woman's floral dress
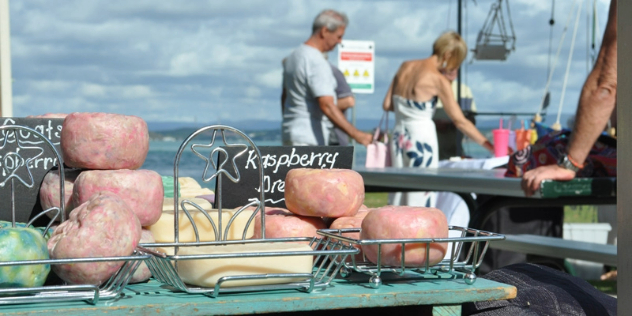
414, 145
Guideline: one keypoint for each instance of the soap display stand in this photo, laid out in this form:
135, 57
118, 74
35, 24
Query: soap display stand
464, 256
327, 253
15, 170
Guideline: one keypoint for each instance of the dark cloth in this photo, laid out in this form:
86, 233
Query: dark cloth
542, 221
601, 160
543, 291
450, 139
343, 90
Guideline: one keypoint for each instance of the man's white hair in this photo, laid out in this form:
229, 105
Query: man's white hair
330, 19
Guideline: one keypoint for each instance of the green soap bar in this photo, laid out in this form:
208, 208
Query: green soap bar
167, 185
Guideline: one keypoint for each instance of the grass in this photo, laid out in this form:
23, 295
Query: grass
372, 200
608, 287
580, 214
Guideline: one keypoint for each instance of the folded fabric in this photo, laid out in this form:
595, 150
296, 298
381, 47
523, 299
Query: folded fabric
601, 160
543, 291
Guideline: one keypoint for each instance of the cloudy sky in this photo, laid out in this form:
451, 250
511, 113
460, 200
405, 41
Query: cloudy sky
209, 61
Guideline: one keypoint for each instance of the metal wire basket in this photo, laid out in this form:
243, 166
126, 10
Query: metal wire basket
164, 265
465, 254
17, 154
327, 256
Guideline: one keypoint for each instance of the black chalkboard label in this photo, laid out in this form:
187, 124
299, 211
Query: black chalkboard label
276, 162
26, 199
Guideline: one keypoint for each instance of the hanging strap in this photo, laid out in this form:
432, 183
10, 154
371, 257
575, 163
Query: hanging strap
384, 120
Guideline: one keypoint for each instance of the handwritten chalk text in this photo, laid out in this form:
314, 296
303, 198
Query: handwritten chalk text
321, 160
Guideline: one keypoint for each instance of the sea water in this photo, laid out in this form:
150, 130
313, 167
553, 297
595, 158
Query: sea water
162, 154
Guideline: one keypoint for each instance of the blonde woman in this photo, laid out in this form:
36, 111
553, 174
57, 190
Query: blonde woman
413, 95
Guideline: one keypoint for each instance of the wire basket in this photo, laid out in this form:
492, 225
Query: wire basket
465, 254
219, 166
327, 255
81, 292
15, 169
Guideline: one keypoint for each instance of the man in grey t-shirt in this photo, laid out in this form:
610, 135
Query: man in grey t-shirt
309, 97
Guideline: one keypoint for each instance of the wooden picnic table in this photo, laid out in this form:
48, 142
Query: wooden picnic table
505, 192
343, 296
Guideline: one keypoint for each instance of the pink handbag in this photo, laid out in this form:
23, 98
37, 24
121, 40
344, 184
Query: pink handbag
378, 153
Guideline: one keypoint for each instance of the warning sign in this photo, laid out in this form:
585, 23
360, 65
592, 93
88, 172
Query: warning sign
356, 60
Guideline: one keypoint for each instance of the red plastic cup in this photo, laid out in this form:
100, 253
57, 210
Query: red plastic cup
523, 138
501, 142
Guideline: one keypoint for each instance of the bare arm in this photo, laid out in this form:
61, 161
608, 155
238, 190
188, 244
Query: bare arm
387, 105
334, 114
598, 97
596, 103
346, 102
453, 110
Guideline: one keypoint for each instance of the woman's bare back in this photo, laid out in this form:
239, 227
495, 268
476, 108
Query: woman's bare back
417, 80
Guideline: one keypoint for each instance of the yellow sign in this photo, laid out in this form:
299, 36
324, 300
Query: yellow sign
356, 73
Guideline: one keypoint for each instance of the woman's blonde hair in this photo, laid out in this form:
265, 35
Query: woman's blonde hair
450, 43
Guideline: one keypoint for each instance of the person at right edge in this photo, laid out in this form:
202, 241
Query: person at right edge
544, 291
597, 102
413, 95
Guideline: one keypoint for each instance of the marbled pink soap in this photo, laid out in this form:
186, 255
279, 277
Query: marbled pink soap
405, 222
104, 141
324, 192
141, 189
103, 226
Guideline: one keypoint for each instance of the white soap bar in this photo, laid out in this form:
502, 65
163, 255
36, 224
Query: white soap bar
191, 193
163, 229
167, 204
206, 272
188, 183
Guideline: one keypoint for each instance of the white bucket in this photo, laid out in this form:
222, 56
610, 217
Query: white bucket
587, 232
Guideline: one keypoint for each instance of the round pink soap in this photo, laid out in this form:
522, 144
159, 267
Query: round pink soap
141, 189
101, 227
324, 192
50, 190
104, 141
405, 222
281, 223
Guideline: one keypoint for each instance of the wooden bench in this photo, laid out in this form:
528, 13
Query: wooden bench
558, 248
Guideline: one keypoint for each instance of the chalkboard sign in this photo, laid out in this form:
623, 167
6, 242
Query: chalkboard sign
26, 199
276, 162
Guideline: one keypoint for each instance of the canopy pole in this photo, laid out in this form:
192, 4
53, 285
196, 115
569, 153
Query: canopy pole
6, 86
557, 126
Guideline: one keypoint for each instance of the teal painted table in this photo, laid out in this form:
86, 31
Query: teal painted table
154, 298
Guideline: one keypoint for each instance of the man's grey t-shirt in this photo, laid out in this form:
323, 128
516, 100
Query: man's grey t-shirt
306, 76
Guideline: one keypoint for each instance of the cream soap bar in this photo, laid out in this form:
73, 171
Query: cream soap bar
167, 204
163, 229
191, 193
206, 272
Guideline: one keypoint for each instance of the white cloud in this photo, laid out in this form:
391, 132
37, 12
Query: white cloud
253, 92
222, 59
93, 90
270, 79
